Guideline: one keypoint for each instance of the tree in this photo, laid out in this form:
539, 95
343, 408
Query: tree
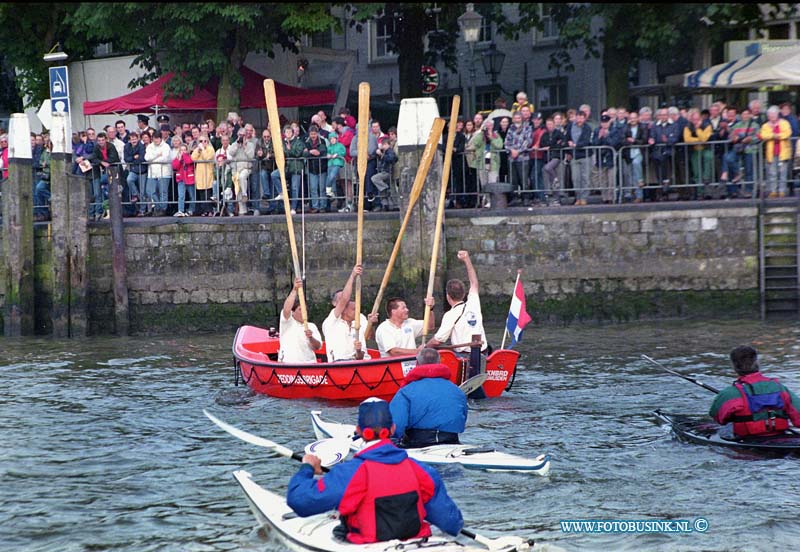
629, 33
198, 41
27, 33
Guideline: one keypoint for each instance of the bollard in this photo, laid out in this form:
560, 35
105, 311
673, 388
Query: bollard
18, 231
70, 235
118, 262
415, 121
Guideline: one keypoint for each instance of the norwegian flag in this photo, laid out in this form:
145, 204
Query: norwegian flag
518, 316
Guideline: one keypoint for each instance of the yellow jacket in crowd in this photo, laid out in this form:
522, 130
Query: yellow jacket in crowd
769, 137
703, 134
204, 172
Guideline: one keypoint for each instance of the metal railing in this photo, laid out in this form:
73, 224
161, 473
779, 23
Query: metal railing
631, 173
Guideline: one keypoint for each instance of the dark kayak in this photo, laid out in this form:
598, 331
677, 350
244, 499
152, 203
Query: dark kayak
703, 430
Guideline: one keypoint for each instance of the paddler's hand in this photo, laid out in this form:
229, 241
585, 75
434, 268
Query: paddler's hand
298, 283
463, 255
430, 301
373, 318
358, 270
314, 462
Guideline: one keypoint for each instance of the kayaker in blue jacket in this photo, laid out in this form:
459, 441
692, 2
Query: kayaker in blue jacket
381, 494
429, 408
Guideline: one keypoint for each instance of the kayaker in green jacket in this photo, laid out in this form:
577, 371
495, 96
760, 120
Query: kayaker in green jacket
754, 404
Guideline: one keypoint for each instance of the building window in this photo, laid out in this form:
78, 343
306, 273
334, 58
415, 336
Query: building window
779, 32
549, 30
104, 49
551, 95
322, 39
382, 31
487, 28
484, 101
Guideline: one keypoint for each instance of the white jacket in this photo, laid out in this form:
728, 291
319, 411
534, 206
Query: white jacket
159, 158
242, 156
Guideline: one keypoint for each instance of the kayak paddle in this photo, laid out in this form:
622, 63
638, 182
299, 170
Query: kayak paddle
473, 383
701, 384
500, 544
687, 378
330, 451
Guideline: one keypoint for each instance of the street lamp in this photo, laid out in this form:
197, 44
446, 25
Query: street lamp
470, 24
493, 59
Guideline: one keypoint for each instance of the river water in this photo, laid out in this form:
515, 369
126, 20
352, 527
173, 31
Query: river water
105, 447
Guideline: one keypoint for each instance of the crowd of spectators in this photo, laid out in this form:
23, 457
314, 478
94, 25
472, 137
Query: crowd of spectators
636, 156
228, 169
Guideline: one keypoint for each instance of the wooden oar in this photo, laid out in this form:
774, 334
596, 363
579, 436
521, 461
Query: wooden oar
457, 345
502, 543
277, 145
416, 190
363, 142
437, 234
700, 383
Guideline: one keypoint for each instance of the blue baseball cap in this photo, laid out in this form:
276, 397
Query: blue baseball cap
374, 413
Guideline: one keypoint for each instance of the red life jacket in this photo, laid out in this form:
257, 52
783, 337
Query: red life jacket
427, 371
764, 413
392, 507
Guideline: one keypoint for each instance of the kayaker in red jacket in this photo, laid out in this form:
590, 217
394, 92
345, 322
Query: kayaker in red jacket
754, 404
381, 494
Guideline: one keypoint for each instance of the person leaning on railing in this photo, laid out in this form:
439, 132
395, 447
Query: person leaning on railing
744, 147
697, 132
41, 194
203, 156
105, 161
133, 154
775, 134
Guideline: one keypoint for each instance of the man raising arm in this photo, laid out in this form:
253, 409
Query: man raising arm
464, 319
297, 344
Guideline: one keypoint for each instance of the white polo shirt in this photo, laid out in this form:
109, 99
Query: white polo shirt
340, 336
294, 343
461, 322
390, 336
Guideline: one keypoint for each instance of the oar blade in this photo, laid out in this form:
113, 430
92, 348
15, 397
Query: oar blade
472, 384
249, 437
330, 451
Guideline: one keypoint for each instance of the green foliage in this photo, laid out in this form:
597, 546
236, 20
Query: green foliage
29, 31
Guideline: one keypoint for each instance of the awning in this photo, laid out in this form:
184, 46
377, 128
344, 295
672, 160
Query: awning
780, 67
151, 97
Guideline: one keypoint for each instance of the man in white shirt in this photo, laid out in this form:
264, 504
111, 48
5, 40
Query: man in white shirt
297, 344
464, 319
341, 342
396, 336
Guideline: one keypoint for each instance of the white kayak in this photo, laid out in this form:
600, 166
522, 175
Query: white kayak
470, 456
315, 533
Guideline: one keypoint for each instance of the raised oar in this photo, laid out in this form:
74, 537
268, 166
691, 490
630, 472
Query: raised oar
502, 543
363, 142
416, 190
277, 145
700, 383
437, 234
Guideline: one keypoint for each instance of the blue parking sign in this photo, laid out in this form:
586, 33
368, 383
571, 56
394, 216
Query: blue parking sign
59, 82
59, 89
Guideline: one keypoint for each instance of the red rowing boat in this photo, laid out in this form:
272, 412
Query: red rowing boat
256, 352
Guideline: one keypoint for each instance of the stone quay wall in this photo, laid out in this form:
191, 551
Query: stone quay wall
594, 263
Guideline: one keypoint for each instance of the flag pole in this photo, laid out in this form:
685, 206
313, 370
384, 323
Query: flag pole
505, 328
